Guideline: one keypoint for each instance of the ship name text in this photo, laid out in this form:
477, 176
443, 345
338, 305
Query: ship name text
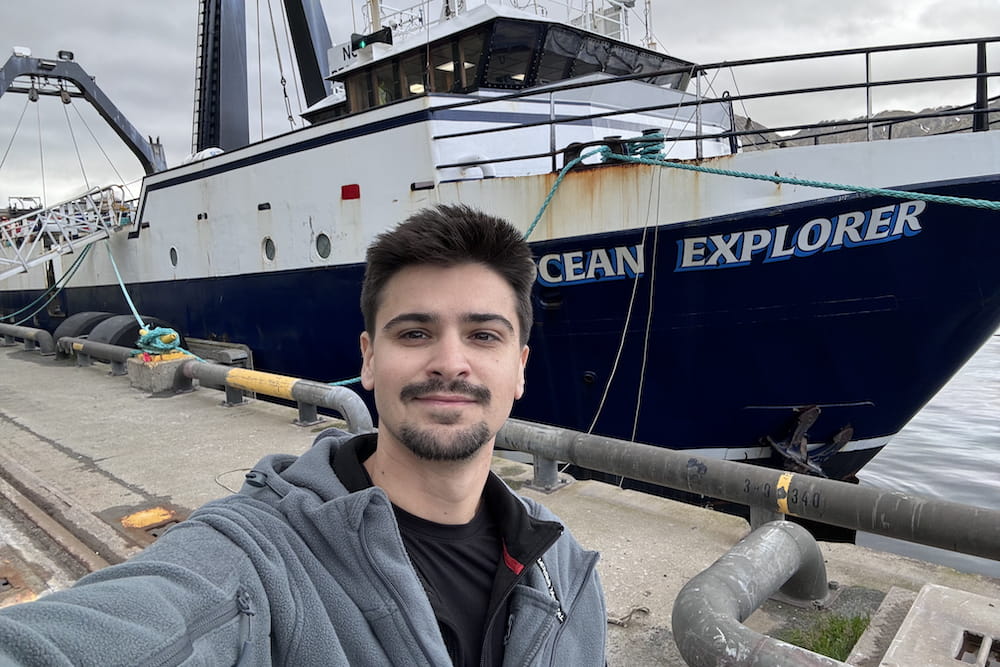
776, 244
587, 266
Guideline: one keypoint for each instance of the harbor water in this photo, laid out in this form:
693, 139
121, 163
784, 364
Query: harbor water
951, 450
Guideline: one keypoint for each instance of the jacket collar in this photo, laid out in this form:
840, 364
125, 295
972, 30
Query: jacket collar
524, 537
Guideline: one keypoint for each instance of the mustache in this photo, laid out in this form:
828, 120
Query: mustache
478, 393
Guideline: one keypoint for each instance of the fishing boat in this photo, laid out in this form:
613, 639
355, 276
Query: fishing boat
794, 306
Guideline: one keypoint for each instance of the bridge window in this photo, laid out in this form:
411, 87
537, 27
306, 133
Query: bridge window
455, 64
569, 53
386, 83
411, 74
592, 56
621, 60
359, 90
470, 51
559, 55
512, 51
443, 68
648, 62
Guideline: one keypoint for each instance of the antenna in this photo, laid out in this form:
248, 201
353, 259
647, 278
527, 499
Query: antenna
648, 21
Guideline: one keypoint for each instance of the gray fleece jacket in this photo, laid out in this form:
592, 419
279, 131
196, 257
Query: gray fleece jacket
294, 570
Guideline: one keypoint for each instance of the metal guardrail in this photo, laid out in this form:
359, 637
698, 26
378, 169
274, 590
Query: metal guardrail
39, 339
307, 394
708, 613
929, 521
940, 523
88, 350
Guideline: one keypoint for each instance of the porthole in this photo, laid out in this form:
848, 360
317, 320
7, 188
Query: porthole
173, 256
269, 248
323, 245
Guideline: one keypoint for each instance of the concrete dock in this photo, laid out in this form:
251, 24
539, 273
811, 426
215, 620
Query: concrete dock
96, 451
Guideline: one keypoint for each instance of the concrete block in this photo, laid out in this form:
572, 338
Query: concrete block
947, 627
156, 376
882, 628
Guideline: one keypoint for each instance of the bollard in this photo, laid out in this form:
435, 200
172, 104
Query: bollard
708, 614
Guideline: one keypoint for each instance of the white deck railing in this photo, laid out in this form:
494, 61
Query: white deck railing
38, 236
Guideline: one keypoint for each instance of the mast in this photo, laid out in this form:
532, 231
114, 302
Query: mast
221, 107
311, 41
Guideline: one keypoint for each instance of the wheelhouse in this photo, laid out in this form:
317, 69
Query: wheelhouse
503, 54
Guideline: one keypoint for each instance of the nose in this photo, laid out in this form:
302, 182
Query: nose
449, 359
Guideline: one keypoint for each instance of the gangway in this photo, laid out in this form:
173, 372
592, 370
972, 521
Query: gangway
39, 236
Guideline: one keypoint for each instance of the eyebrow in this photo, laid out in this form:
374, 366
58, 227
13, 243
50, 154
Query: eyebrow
427, 318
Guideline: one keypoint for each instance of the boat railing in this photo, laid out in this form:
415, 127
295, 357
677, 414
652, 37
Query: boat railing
864, 87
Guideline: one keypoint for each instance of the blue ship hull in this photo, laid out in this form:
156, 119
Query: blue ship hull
717, 354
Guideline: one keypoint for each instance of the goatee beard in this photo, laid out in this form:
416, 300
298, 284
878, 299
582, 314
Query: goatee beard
462, 446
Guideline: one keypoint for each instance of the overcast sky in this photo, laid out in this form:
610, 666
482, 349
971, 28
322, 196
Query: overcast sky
142, 55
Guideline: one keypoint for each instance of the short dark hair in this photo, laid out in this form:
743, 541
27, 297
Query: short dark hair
448, 235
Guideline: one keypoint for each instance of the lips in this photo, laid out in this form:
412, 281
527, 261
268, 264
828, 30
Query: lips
447, 399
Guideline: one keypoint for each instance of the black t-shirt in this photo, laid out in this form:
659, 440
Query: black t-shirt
457, 564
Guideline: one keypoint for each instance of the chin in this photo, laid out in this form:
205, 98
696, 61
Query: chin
448, 443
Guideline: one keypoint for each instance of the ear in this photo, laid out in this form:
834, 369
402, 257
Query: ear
520, 373
367, 364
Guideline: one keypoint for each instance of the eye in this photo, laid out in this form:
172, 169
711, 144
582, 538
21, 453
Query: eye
413, 334
486, 337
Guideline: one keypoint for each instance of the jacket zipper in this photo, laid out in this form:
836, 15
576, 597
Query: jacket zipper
591, 566
484, 653
245, 605
174, 654
560, 614
396, 595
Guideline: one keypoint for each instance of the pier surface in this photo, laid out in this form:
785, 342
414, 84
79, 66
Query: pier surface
92, 450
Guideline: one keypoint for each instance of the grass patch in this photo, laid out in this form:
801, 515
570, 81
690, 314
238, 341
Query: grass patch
833, 636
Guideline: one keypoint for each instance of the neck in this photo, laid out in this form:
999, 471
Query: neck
446, 492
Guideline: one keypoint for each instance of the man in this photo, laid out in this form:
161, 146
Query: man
399, 547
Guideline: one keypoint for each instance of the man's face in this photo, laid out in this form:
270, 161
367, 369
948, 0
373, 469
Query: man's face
446, 362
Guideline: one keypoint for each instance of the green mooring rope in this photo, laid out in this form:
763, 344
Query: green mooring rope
51, 292
898, 194
150, 342
643, 158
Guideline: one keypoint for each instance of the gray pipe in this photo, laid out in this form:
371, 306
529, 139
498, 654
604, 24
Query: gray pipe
708, 613
93, 348
344, 401
31, 337
88, 350
939, 523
